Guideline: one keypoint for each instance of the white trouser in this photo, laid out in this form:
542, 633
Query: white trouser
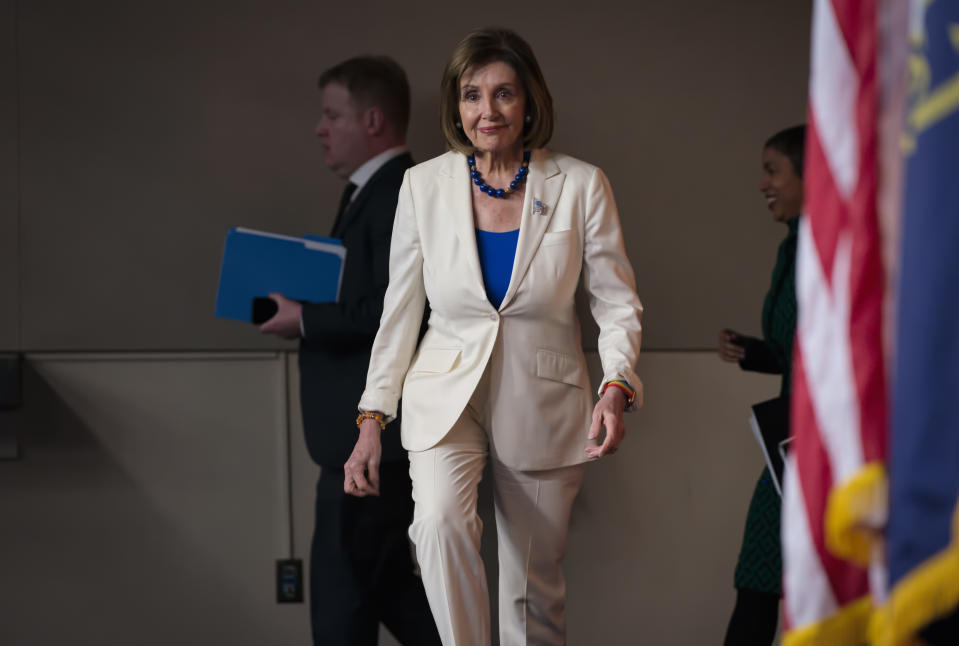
532, 517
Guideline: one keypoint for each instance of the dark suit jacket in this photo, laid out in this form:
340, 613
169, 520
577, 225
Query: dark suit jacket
335, 350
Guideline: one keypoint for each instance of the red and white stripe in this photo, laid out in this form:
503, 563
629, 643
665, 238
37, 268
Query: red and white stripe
838, 398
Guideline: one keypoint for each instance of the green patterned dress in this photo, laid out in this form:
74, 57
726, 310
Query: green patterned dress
760, 558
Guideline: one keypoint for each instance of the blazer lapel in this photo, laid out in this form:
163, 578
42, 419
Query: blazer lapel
356, 205
457, 193
543, 186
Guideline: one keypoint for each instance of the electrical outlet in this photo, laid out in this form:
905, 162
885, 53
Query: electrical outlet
289, 581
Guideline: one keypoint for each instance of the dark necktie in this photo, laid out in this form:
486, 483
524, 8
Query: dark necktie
348, 191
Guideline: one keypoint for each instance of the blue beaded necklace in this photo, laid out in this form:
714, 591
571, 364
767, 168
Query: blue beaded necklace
498, 192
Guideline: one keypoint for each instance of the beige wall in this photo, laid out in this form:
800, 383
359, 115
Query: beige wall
9, 216
148, 506
151, 502
148, 128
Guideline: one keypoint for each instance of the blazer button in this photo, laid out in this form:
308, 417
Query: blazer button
493, 316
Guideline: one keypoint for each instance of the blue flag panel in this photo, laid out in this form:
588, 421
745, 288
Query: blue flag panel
924, 451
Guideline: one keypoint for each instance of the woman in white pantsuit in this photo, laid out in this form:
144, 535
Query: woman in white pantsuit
497, 234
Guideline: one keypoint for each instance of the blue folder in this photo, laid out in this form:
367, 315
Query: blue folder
256, 263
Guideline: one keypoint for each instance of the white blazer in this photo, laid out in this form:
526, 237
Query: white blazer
540, 399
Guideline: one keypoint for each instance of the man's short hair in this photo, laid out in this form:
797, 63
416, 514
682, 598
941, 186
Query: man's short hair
491, 45
374, 81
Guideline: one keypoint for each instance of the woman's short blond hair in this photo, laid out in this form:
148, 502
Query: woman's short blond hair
491, 45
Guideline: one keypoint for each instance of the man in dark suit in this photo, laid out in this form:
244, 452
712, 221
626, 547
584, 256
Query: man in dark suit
361, 571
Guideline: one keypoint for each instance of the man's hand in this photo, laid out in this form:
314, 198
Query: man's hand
286, 322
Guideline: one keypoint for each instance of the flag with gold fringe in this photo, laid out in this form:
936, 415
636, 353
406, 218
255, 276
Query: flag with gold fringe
922, 538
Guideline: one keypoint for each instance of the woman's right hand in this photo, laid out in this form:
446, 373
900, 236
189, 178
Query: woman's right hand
361, 473
730, 348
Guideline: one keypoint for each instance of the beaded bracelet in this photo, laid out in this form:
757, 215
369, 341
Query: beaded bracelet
370, 415
628, 390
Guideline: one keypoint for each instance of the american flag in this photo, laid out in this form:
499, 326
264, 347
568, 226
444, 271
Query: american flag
834, 498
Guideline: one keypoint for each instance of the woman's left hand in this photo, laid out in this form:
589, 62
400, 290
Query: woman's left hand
608, 413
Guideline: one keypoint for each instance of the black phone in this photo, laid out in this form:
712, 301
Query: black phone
263, 310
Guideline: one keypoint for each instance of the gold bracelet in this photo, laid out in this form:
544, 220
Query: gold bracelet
370, 415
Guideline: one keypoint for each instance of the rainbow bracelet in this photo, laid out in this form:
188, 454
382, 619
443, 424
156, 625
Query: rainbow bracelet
628, 390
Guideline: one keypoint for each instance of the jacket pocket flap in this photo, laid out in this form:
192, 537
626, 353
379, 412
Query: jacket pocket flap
556, 237
557, 367
435, 360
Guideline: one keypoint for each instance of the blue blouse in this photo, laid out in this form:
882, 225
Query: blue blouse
496, 252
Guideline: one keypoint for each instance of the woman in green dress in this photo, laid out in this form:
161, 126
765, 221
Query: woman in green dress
759, 570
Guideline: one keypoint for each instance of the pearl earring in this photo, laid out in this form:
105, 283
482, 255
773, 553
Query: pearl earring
528, 118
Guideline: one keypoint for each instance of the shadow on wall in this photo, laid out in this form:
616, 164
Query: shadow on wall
85, 553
